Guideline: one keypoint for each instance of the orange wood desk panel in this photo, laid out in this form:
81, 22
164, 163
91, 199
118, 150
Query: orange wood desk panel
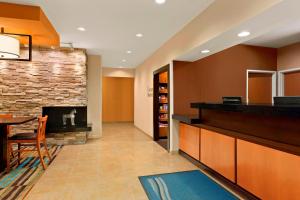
218, 153
268, 173
189, 140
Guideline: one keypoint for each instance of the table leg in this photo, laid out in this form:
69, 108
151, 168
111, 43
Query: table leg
3, 148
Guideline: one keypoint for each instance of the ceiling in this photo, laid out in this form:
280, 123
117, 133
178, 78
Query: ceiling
28, 20
111, 25
284, 35
275, 27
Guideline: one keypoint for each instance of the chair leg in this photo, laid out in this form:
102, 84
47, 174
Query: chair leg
38, 147
11, 150
8, 158
19, 153
46, 149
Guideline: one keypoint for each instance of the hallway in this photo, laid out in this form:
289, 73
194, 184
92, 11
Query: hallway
108, 167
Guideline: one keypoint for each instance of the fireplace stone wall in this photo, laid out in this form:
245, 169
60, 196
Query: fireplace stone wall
53, 78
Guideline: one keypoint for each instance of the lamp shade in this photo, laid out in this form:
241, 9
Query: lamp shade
9, 47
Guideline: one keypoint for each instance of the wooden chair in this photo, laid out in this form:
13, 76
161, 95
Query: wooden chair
36, 139
9, 130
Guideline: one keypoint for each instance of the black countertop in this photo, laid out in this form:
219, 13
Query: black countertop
264, 109
189, 119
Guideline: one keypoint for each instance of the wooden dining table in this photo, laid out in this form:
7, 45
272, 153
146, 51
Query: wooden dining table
4, 122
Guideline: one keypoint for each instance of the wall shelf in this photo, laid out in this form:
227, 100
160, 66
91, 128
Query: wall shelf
161, 105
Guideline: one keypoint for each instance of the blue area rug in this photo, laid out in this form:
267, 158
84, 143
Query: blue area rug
189, 185
16, 184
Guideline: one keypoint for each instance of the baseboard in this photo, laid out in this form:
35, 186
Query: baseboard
143, 132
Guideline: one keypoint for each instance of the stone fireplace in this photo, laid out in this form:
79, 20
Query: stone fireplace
60, 118
53, 78
66, 124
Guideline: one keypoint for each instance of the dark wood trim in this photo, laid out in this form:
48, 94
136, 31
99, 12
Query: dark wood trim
189, 119
200, 141
16, 120
162, 69
260, 109
244, 194
169, 100
235, 161
3, 149
155, 107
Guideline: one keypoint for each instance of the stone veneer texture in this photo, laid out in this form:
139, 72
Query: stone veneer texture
53, 78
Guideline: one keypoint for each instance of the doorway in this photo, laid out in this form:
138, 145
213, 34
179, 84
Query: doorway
289, 82
261, 86
118, 99
161, 106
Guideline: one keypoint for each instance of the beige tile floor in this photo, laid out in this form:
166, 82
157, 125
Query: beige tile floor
106, 168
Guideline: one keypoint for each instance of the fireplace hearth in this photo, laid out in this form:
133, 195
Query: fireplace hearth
63, 119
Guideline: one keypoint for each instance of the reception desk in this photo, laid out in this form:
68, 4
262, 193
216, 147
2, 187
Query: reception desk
256, 147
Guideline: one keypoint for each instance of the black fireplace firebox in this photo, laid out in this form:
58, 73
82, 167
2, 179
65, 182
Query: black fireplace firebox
63, 119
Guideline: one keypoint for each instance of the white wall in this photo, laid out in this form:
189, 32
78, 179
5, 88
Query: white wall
143, 105
94, 86
118, 72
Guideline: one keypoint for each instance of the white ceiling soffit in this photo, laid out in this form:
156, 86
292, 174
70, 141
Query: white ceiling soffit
282, 13
111, 25
284, 35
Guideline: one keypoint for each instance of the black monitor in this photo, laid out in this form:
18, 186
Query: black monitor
232, 100
287, 100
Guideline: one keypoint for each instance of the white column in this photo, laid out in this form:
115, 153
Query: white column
174, 125
94, 90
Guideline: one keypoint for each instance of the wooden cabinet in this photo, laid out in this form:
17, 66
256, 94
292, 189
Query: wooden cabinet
189, 140
268, 173
218, 153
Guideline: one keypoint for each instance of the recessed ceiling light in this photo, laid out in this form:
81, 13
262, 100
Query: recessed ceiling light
129, 52
123, 60
139, 35
160, 1
205, 51
81, 29
244, 34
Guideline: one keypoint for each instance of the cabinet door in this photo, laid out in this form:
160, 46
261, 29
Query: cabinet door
189, 140
218, 153
268, 173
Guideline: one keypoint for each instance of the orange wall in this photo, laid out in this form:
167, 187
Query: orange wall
289, 57
117, 99
221, 74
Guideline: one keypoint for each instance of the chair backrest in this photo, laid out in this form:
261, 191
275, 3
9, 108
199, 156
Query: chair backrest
41, 131
7, 116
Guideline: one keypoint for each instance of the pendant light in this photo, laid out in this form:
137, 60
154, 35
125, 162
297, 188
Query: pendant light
9, 46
